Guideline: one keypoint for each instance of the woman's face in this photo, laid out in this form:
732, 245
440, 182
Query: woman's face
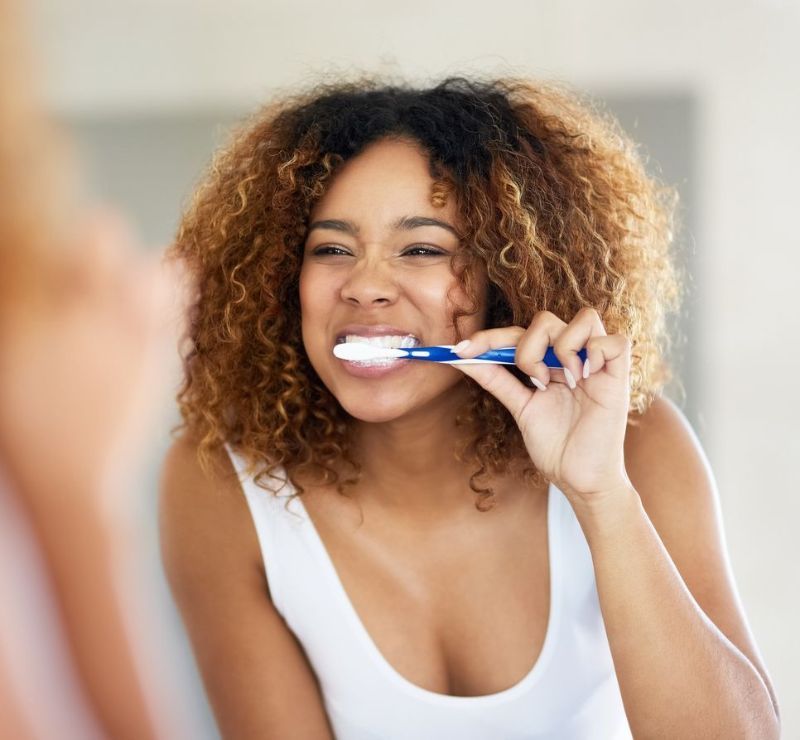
377, 264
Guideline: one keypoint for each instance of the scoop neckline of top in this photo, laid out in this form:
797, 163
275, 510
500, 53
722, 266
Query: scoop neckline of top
387, 669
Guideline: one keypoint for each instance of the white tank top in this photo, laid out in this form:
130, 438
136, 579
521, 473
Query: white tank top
571, 693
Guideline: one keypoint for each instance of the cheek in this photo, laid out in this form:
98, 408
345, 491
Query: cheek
458, 300
316, 293
315, 306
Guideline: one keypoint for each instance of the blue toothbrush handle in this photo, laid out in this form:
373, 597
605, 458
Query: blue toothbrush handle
506, 356
503, 356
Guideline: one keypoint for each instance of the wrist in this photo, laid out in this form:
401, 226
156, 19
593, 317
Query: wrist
604, 509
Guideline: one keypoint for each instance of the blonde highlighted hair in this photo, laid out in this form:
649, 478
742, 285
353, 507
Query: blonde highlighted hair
556, 207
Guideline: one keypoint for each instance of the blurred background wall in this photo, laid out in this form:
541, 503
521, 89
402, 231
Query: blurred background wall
710, 89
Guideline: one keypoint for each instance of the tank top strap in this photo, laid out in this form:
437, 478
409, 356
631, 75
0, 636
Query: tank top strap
578, 566
273, 517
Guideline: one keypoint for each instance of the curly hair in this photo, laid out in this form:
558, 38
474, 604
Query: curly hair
557, 211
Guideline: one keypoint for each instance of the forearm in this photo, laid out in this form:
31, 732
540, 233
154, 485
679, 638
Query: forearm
679, 676
80, 550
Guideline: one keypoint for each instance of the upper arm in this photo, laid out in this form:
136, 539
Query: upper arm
256, 674
671, 473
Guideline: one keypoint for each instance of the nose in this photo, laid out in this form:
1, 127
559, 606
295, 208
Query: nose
370, 283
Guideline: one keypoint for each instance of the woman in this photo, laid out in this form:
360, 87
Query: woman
413, 550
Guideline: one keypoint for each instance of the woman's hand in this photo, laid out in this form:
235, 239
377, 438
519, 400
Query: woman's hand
575, 429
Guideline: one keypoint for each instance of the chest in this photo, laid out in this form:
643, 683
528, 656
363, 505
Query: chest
458, 609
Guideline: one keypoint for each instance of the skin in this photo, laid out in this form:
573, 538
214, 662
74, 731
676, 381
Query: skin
386, 275
677, 632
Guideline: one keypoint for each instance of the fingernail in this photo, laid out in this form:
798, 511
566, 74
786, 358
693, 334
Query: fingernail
570, 379
461, 346
586, 369
538, 383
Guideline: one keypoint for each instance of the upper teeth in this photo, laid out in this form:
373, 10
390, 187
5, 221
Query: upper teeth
389, 340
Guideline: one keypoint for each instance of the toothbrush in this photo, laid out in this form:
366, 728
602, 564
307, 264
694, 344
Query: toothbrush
443, 353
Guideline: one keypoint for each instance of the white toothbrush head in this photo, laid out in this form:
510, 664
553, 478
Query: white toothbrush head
362, 352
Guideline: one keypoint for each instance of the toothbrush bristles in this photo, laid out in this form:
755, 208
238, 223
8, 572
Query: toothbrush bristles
361, 351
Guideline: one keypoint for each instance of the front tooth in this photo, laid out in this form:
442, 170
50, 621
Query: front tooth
387, 340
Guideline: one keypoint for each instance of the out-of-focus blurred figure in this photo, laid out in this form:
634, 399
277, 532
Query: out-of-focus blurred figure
86, 327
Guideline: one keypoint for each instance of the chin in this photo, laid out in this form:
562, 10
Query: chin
376, 410
391, 402
400, 392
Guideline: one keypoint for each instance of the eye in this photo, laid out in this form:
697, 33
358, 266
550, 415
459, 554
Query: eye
329, 249
423, 250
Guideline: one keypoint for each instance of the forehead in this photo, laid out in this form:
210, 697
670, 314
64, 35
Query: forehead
388, 179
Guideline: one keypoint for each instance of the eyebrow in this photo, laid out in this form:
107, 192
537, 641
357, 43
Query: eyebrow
404, 223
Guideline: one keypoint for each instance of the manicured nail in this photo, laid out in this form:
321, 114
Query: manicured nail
461, 346
586, 369
570, 379
538, 383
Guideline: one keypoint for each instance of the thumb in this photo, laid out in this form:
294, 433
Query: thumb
498, 381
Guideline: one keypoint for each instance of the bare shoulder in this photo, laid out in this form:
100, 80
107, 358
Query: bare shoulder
205, 522
182, 466
669, 469
257, 676
664, 449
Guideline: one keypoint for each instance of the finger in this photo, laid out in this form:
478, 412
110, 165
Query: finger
612, 353
532, 347
498, 381
101, 257
585, 325
486, 339
167, 286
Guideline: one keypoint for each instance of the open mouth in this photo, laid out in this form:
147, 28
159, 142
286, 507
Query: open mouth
402, 341
393, 341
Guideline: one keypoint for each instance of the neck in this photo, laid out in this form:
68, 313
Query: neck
409, 465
